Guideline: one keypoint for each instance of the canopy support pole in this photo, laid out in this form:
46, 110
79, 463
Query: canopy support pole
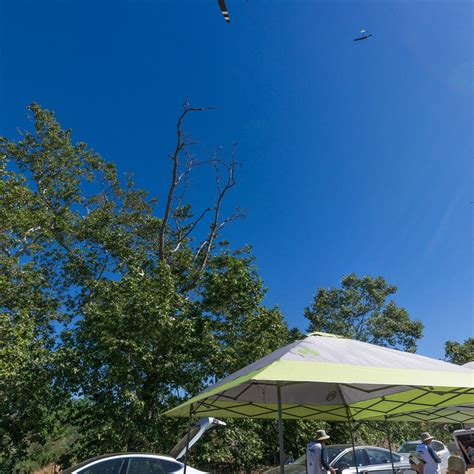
389, 436
348, 414
352, 439
280, 430
188, 438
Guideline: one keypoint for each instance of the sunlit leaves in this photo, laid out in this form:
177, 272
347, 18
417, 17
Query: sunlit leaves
361, 310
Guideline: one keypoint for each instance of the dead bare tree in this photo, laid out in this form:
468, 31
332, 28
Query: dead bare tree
175, 179
183, 164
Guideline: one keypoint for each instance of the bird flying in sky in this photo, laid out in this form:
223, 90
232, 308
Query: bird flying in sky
224, 11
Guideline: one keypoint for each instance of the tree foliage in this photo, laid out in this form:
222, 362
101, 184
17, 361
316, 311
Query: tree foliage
110, 307
459, 352
360, 310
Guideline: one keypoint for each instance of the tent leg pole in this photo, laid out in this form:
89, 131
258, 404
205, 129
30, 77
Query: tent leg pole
280, 431
352, 439
389, 436
188, 438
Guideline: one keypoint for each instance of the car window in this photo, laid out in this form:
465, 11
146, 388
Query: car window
348, 458
334, 451
145, 466
408, 447
396, 457
437, 446
379, 456
109, 466
171, 466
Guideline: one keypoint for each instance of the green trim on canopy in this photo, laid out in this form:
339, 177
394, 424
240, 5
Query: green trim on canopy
217, 390
390, 406
413, 400
288, 371
457, 414
223, 408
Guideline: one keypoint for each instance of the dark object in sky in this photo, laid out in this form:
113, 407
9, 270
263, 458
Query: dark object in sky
363, 37
224, 11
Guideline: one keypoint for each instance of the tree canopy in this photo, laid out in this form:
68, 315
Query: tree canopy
360, 309
459, 352
111, 303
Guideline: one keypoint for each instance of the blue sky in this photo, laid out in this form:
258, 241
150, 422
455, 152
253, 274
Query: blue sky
357, 157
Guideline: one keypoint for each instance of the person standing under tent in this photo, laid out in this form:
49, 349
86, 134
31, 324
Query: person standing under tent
317, 458
428, 455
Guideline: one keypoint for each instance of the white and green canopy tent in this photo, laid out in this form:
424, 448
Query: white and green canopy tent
327, 377
330, 378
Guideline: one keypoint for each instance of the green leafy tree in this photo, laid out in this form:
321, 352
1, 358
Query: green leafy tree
114, 302
459, 352
361, 310
30, 297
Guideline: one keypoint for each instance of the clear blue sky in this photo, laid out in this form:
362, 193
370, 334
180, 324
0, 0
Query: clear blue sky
357, 156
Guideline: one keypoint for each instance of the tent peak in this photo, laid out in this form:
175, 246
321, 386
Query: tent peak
324, 334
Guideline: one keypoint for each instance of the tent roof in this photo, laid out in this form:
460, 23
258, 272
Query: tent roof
328, 377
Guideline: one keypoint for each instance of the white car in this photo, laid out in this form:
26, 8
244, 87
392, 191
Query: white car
131, 463
147, 463
442, 451
369, 459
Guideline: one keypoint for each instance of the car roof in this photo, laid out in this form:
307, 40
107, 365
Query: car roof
112, 455
346, 446
418, 441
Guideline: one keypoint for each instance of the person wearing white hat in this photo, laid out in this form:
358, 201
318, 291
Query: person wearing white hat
317, 458
428, 455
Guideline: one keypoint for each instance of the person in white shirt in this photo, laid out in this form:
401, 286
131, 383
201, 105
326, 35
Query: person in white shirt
428, 455
317, 458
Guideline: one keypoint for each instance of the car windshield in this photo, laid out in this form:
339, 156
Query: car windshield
408, 447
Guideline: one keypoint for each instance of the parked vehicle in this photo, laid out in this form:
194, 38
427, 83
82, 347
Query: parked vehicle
147, 463
131, 463
464, 440
369, 459
442, 451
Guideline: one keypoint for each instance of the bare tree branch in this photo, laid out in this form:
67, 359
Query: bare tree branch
191, 227
180, 145
216, 225
190, 162
199, 250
